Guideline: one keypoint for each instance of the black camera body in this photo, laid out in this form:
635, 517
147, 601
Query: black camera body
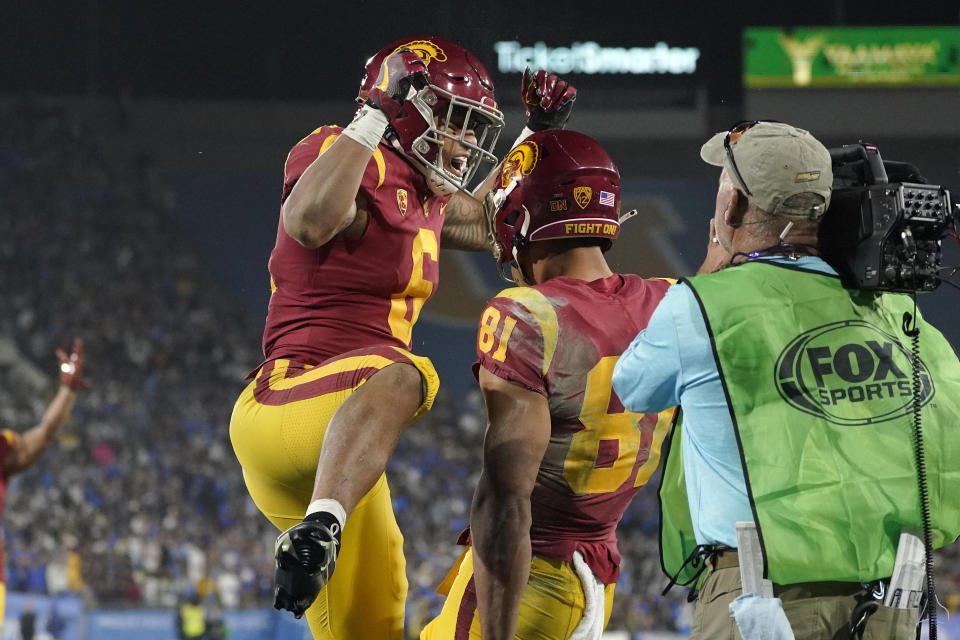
884, 227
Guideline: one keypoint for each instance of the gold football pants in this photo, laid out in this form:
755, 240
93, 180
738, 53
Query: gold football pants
551, 607
277, 430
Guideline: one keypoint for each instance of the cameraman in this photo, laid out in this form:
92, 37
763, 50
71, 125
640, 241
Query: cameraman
796, 404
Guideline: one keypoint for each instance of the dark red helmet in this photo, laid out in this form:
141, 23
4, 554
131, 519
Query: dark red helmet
554, 184
459, 101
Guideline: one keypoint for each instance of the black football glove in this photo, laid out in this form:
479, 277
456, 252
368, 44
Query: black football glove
548, 100
306, 556
399, 71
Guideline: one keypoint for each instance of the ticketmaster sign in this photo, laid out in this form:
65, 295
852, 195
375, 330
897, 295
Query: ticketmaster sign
590, 57
851, 56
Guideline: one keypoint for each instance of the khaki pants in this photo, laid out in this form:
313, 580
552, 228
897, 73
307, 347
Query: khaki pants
816, 611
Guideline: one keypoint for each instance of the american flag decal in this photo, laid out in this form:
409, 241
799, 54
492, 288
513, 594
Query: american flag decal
606, 198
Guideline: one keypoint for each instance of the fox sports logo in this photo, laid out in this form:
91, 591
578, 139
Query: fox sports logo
850, 373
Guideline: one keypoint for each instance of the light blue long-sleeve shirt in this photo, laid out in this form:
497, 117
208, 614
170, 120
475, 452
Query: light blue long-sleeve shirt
671, 362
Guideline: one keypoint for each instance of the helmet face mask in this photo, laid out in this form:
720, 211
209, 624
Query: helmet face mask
465, 124
555, 184
455, 112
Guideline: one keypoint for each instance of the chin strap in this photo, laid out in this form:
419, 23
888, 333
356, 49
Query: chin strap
519, 239
491, 204
626, 216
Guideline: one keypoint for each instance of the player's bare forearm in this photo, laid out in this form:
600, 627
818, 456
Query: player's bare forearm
465, 223
517, 436
323, 201
32, 443
500, 530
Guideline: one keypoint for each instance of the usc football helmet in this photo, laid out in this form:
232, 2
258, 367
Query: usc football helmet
554, 184
459, 101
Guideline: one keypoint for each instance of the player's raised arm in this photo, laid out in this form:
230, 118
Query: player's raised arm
516, 439
548, 101
465, 225
324, 200
31, 444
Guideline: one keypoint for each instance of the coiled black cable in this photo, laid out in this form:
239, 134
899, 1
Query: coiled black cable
911, 330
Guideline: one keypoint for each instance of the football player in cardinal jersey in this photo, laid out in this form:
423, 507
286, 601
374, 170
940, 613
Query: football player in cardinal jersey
20, 450
562, 458
365, 209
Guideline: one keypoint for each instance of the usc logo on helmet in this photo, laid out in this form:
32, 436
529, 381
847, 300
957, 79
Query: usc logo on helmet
427, 51
520, 162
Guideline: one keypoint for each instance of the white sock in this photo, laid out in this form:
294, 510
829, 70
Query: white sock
331, 506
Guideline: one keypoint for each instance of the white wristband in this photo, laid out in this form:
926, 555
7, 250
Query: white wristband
524, 133
368, 127
331, 506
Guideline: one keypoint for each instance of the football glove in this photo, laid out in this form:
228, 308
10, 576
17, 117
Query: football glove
71, 366
547, 99
400, 71
306, 556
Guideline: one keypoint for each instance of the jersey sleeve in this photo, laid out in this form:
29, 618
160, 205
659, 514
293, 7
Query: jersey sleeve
516, 337
313, 146
8, 439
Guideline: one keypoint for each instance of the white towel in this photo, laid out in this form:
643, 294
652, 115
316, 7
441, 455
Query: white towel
594, 596
761, 618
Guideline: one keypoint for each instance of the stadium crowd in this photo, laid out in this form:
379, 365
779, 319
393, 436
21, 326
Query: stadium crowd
141, 501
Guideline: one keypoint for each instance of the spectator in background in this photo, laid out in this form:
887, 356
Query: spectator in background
191, 619
28, 622
216, 628
56, 623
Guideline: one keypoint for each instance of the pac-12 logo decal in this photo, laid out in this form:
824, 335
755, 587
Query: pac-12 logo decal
582, 196
850, 373
402, 201
519, 162
427, 51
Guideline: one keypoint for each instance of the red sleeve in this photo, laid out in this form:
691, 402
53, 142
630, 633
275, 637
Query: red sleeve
510, 344
8, 439
309, 149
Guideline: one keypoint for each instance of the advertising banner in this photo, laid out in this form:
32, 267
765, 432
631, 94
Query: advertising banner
851, 57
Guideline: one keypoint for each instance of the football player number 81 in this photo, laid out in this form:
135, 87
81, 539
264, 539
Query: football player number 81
637, 437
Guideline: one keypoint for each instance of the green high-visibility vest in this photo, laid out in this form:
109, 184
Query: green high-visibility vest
192, 620
820, 387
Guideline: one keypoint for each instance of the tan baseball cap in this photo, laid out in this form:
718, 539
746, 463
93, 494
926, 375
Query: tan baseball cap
777, 161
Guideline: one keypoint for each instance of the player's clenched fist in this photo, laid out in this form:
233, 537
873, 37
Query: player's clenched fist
548, 100
71, 366
400, 70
